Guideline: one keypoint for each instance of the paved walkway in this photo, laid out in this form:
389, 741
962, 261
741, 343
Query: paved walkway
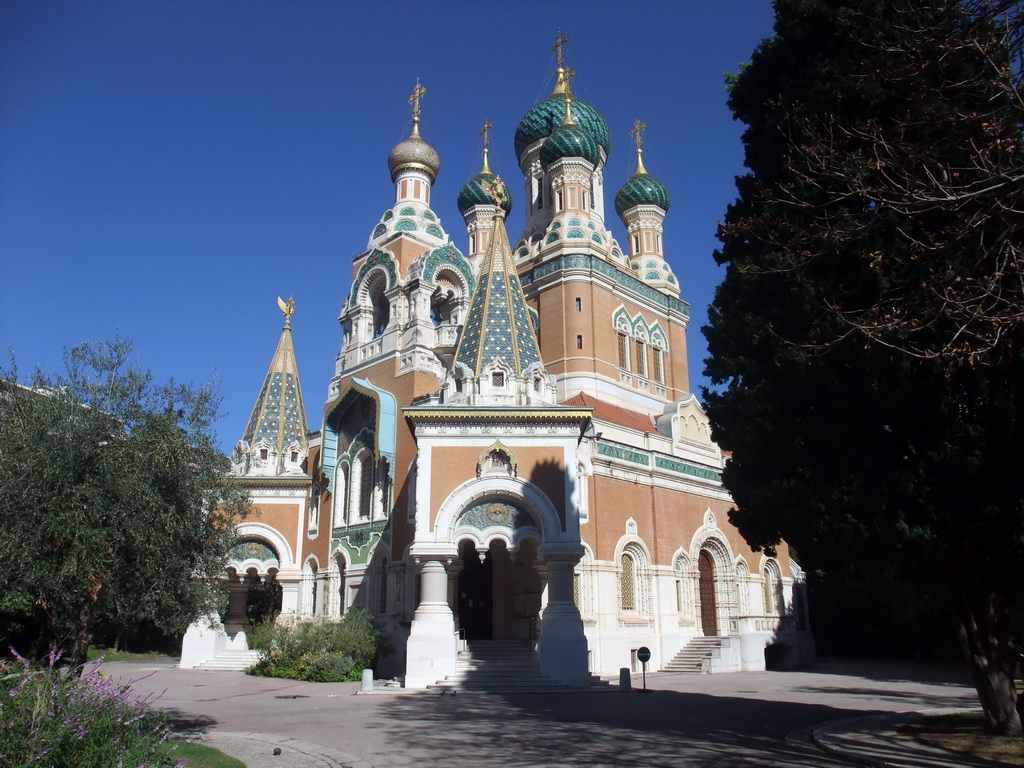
823, 716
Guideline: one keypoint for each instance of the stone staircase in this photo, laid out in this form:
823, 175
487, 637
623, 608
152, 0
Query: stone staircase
695, 657
230, 660
497, 666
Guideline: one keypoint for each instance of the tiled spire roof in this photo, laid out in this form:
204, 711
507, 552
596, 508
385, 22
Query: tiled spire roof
498, 324
279, 416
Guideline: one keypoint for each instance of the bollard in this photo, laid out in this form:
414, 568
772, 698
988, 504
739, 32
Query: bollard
625, 682
367, 686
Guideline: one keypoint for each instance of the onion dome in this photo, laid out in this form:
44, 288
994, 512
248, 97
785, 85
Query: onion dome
570, 141
641, 189
475, 193
541, 121
414, 153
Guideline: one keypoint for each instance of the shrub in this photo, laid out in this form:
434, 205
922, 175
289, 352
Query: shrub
51, 716
319, 651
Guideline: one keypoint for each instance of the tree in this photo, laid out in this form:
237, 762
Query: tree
865, 341
116, 502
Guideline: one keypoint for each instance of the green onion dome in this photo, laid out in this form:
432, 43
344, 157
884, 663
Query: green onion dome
641, 189
541, 121
475, 193
414, 153
570, 141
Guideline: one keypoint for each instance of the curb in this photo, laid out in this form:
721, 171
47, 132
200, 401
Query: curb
256, 750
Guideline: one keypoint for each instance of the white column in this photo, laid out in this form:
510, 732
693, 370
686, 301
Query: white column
562, 648
431, 649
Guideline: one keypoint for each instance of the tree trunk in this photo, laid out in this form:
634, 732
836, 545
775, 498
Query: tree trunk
79, 653
992, 667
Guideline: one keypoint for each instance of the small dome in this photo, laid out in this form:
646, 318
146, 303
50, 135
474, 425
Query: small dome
570, 141
541, 121
474, 193
414, 152
641, 189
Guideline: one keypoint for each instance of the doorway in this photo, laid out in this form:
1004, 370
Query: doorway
708, 608
500, 597
476, 593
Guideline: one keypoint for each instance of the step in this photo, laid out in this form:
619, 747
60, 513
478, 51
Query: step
233, 660
691, 659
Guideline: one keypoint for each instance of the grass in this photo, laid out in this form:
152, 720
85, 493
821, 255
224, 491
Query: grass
965, 732
109, 654
202, 756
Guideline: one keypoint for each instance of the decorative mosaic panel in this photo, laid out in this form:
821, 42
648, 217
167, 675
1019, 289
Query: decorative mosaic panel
626, 454
376, 258
496, 514
686, 468
433, 229
429, 216
596, 238
553, 237
388, 215
407, 212
405, 225
575, 233
252, 550
448, 254
379, 230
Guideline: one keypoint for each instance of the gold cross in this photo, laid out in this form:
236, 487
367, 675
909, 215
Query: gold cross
485, 130
637, 131
417, 94
560, 40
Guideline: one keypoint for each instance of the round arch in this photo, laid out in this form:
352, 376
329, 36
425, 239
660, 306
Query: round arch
521, 493
261, 531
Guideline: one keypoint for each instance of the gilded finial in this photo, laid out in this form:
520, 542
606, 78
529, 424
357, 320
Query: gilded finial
496, 191
485, 131
562, 75
288, 308
568, 75
637, 133
417, 93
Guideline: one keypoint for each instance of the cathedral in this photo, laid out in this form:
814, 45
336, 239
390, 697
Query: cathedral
510, 465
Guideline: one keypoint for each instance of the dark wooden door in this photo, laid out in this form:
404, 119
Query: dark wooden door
708, 609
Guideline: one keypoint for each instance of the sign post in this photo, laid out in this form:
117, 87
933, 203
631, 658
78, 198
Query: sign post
643, 655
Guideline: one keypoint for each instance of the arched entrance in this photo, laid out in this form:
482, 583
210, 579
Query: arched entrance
706, 584
498, 597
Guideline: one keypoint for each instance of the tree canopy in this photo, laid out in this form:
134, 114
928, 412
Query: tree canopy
116, 502
866, 340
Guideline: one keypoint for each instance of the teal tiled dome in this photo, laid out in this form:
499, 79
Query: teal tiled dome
541, 121
475, 194
570, 141
641, 189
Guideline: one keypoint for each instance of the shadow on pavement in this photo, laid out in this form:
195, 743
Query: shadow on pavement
663, 728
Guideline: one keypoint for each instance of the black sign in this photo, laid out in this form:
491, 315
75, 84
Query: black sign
643, 654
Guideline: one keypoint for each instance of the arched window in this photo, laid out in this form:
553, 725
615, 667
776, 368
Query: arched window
627, 582
656, 365
623, 351
365, 485
340, 497
684, 587
774, 604
641, 358
382, 591
379, 303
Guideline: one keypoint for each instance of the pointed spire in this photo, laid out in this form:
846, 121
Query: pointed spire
485, 132
279, 416
498, 323
637, 132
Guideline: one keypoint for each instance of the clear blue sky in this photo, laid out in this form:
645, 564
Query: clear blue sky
168, 168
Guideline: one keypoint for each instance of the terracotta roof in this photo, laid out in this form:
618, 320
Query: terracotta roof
623, 417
